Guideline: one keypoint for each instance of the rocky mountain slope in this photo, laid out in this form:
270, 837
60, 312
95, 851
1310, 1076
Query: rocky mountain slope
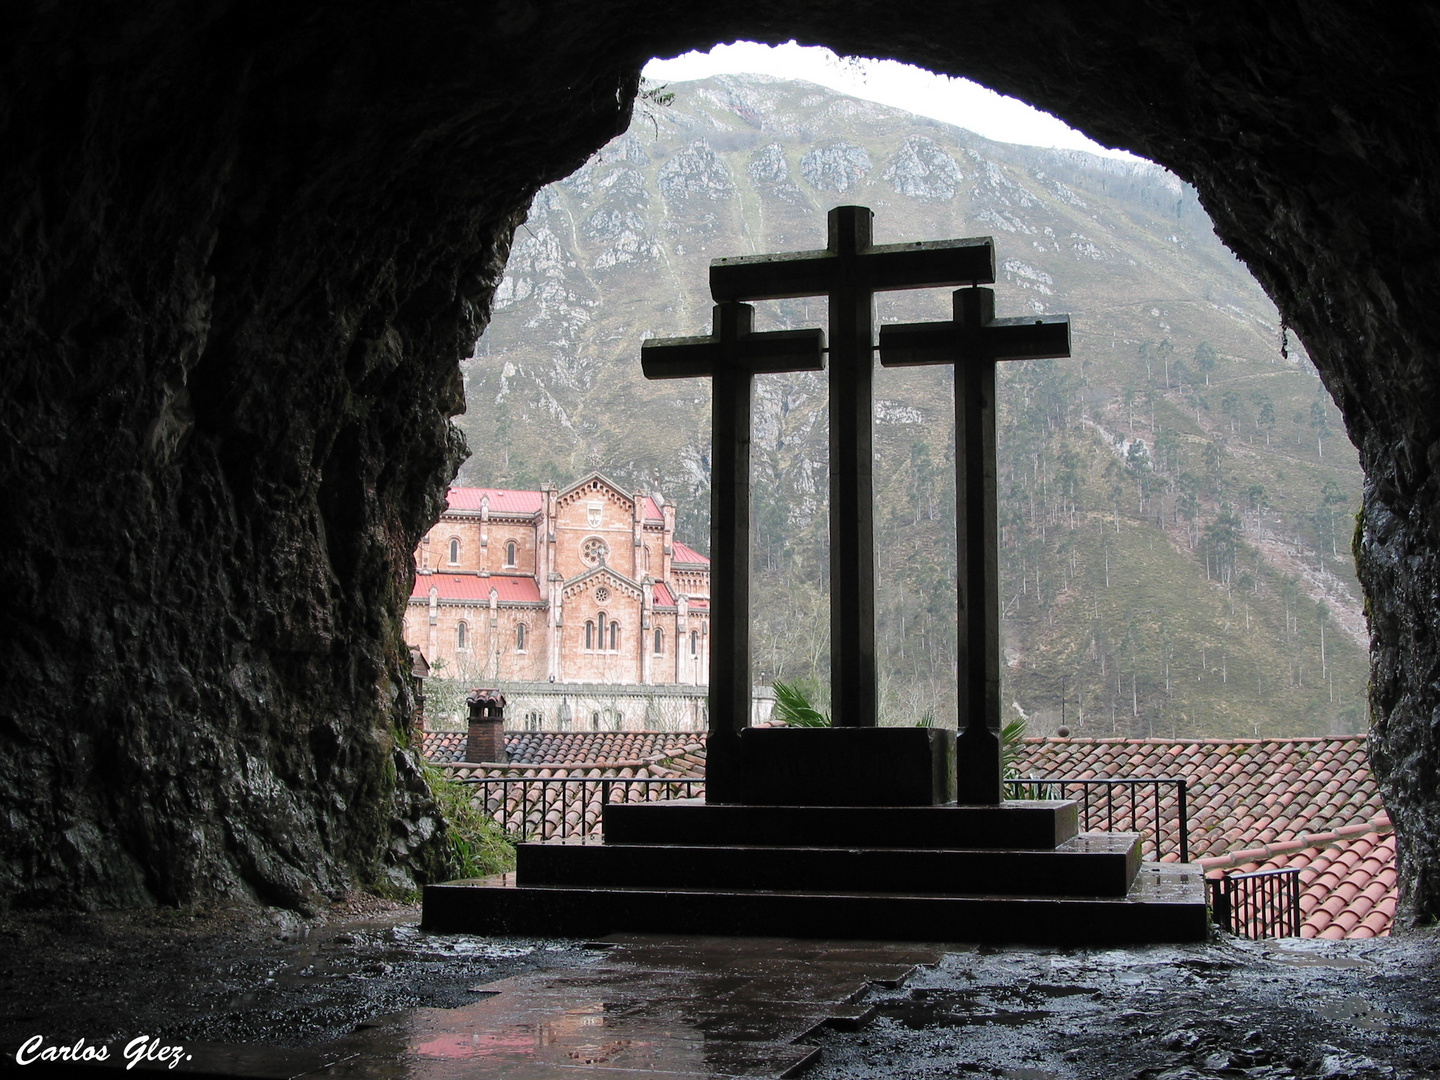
1177, 498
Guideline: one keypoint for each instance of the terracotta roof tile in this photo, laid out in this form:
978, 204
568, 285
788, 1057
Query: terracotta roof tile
1265, 804
661, 753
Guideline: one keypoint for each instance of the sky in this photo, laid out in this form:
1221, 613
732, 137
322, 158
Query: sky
955, 101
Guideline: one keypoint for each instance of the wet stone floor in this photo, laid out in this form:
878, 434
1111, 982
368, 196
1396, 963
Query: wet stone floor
360, 991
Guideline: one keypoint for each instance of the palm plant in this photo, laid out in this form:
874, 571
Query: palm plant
793, 708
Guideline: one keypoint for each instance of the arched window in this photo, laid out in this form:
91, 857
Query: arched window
694, 642
589, 633
594, 721
659, 641
461, 633
510, 553
454, 549
614, 636
600, 641
520, 638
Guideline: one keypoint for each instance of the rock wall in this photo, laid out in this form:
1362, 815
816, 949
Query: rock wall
248, 242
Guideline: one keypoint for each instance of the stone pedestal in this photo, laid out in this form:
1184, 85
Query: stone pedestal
860, 766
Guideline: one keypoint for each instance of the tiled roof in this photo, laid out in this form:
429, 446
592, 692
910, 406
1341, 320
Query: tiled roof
1242, 792
686, 554
585, 750
510, 588
652, 510
662, 595
1260, 804
1347, 877
699, 602
502, 501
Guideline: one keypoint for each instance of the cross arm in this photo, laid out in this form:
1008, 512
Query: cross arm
916, 344
924, 265
759, 354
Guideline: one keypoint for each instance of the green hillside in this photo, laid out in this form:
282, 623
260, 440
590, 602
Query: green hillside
1176, 499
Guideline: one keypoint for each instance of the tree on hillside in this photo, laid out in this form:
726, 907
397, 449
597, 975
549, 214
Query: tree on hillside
1265, 418
1320, 422
1222, 544
1205, 357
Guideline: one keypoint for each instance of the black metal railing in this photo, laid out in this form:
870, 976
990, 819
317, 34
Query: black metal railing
1122, 805
1260, 904
560, 807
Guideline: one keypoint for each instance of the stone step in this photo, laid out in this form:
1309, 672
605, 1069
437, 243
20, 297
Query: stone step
1092, 864
1022, 824
1166, 903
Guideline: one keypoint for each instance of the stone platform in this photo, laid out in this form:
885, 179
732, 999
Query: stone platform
1018, 872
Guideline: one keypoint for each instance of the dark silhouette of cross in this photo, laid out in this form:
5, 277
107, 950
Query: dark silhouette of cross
731, 356
973, 341
850, 271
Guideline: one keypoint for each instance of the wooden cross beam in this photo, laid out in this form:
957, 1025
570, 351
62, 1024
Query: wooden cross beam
850, 271
973, 341
731, 356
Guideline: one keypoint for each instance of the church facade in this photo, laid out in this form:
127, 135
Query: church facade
577, 602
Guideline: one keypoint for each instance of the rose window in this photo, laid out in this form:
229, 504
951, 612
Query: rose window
594, 550
602, 594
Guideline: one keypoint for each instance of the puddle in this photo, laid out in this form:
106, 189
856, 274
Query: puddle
1308, 959
1355, 1010
939, 1008
1057, 991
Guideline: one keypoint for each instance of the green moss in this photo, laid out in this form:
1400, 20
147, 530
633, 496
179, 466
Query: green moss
478, 846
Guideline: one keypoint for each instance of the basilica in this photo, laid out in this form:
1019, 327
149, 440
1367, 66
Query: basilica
577, 602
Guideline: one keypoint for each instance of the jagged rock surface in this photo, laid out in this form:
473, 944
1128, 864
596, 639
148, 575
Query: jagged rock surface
246, 247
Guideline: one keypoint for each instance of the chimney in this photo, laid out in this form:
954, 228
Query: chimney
486, 740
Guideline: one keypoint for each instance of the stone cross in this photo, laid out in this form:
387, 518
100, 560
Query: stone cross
731, 356
849, 272
973, 341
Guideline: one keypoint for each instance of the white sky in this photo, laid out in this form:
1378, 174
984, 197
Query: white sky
955, 101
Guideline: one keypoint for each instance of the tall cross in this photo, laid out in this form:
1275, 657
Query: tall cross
732, 356
973, 341
850, 271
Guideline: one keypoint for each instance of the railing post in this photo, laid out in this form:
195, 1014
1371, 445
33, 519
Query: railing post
1220, 903
1184, 824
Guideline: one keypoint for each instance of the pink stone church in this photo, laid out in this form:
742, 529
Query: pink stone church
577, 602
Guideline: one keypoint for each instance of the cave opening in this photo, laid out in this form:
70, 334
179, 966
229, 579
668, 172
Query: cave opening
626, 229
248, 249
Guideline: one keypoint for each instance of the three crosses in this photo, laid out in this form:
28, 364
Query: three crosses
849, 272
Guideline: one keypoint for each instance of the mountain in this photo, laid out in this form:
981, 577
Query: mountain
1176, 499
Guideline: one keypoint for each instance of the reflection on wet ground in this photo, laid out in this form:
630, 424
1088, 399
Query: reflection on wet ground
695, 1007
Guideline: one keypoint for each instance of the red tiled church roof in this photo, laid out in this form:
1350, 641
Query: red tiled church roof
652, 511
663, 598
686, 554
502, 500
511, 588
